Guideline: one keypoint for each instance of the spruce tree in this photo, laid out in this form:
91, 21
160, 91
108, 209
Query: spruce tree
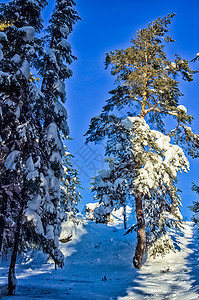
112, 186
53, 116
33, 123
147, 86
70, 185
19, 127
111, 192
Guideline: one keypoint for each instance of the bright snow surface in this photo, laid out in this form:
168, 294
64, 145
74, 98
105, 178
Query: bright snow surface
98, 266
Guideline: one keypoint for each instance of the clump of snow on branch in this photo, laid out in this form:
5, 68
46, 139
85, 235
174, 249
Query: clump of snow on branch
161, 160
182, 108
28, 33
11, 160
32, 216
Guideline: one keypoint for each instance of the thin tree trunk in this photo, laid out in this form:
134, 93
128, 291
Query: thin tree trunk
2, 224
143, 110
11, 274
139, 251
124, 214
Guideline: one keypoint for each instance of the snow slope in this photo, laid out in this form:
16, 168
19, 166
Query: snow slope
98, 265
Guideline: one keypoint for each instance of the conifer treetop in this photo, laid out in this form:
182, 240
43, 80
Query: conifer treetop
56, 60
20, 13
146, 83
145, 74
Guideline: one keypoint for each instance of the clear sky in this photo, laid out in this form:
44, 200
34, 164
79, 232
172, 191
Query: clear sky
108, 25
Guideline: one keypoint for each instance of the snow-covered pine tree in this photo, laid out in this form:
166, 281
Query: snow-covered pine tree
19, 128
32, 188
102, 187
195, 206
54, 129
111, 187
70, 185
147, 85
110, 191
51, 207
156, 182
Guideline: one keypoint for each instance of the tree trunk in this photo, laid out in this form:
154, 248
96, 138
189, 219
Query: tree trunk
2, 225
124, 214
139, 251
11, 274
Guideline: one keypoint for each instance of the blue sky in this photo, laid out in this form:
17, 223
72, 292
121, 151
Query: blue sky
109, 25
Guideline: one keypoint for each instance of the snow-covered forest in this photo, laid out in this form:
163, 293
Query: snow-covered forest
121, 233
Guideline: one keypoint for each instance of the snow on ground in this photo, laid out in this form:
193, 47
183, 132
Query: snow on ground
98, 266
176, 276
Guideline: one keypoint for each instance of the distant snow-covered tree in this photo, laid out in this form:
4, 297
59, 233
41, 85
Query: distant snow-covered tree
70, 186
111, 194
147, 86
111, 187
195, 206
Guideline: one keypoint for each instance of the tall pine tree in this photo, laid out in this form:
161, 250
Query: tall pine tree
32, 125
53, 118
19, 128
147, 86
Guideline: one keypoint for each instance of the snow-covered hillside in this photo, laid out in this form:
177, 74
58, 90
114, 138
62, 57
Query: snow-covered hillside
98, 265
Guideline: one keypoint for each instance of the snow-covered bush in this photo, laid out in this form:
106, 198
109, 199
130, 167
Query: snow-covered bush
160, 246
72, 227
